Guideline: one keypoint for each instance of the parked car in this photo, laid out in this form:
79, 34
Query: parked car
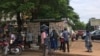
84, 35
95, 35
80, 33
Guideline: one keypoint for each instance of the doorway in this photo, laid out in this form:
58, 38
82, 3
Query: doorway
44, 25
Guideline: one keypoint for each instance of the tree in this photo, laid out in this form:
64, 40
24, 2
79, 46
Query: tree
88, 25
16, 7
71, 14
50, 9
38, 9
79, 26
55, 8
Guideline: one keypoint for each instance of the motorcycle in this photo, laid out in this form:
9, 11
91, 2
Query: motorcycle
16, 49
13, 49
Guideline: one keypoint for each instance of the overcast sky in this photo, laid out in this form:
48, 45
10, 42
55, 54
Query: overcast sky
86, 9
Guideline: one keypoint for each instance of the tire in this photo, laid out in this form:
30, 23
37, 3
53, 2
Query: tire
20, 50
17, 50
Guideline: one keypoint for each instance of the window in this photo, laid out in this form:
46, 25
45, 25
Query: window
98, 32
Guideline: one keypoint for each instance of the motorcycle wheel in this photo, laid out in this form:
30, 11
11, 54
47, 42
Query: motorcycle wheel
17, 50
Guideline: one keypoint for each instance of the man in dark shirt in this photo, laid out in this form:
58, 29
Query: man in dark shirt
66, 40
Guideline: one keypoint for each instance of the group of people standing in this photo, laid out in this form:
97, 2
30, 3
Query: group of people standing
51, 40
63, 38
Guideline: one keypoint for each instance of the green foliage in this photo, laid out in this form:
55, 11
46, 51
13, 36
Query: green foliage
47, 12
9, 6
89, 27
51, 8
79, 26
40, 9
2, 24
72, 15
26, 6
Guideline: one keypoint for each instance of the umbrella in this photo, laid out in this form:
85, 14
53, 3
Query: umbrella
44, 27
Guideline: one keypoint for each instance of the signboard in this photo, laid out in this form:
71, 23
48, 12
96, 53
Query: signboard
95, 22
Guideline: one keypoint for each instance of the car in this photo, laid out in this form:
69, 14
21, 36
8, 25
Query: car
80, 33
84, 35
95, 35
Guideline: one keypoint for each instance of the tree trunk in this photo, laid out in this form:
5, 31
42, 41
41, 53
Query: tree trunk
19, 22
34, 14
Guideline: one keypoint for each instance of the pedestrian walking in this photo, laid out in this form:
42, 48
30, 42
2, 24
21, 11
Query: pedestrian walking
66, 40
88, 42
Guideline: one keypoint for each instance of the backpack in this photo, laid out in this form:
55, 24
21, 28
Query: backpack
55, 35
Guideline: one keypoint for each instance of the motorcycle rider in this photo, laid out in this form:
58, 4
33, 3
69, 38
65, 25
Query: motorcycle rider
10, 41
6, 39
18, 39
13, 38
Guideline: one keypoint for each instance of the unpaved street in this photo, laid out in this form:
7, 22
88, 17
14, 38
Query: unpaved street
77, 49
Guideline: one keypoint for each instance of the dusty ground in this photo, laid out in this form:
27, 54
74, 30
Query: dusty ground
77, 49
